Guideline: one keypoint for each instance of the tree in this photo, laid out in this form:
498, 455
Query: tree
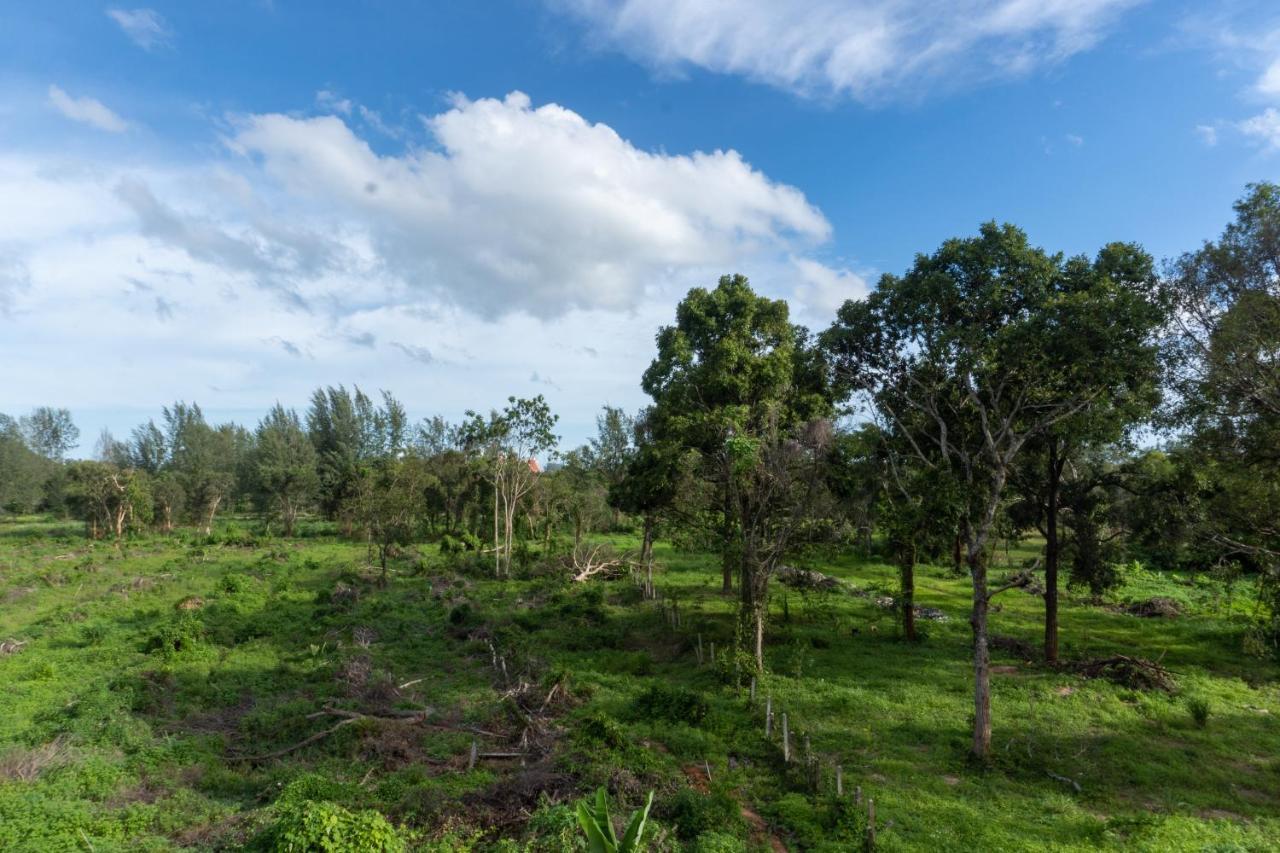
349, 432
1224, 353
735, 382
979, 348
23, 473
283, 466
650, 483
108, 498
204, 459
387, 504
511, 440
50, 432
611, 449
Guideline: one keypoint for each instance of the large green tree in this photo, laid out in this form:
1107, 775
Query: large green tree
737, 383
981, 347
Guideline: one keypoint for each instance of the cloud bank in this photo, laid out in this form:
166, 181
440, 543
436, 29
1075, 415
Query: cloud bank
868, 50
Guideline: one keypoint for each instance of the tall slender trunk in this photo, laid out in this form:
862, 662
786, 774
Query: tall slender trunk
981, 654
497, 552
907, 570
726, 541
1051, 552
646, 549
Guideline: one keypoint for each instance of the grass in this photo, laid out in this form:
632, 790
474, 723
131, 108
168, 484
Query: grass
125, 717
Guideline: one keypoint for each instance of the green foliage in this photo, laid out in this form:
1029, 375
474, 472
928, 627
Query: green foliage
309, 825
601, 838
184, 632
675, 704
1198, 707
694, 813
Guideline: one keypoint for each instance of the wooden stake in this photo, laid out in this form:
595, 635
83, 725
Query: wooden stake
768, 716
475, 753
707, 765
871, 823
699, 649
753, 691
857, 795
839, 781
786, 739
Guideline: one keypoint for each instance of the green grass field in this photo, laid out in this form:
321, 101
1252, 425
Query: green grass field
131, 722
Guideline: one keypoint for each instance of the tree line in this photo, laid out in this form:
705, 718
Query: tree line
1119, 409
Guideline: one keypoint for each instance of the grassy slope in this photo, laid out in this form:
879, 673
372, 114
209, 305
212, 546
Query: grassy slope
134, 739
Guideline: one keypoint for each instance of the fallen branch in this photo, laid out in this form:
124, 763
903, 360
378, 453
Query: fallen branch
318, 736
1065, 780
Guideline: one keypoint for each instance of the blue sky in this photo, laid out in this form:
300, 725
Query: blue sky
235, 202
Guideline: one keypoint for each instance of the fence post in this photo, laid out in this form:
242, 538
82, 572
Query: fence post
786, 739
768, 716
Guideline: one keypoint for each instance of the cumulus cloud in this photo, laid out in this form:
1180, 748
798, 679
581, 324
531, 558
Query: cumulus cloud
865, 49
144, 27
1208, 134
822, 289
87, 111
13, 278
1264, 128
518, 208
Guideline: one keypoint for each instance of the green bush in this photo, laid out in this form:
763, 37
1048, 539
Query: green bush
694, 813
676, 704
1199, 709
303, 826
184, 632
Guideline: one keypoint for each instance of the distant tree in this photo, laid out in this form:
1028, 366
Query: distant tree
204, 459
510, 440
23, 472
981, 347
50, 432
349, 432
168, 499
108, 498
283, 466
387, 505
611, 448
650, 483
147, 448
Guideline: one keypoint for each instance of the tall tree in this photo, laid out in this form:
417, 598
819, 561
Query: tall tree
204, 458
511, 440
283, 466
735, 382
1225, 359
979, 348
50, 432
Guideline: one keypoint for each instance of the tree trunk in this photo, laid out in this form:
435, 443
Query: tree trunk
1051, 552
497, 552
981, 655
957, 560
726, 543
907, 568
213, 510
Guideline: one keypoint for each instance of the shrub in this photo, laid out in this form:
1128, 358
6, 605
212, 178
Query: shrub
694, 813
676, 704
1199, 710
310, 825
184, 632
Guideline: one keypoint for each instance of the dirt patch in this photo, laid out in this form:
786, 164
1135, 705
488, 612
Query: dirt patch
26, 765
1131, 672
1014, 647
760, 834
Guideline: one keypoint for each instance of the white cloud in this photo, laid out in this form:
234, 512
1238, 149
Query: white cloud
864, 49
1264, 127
1075, 139
145, 27
530, 209
1208, 134
822, 289
521, 241
1268, 84
86, 110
